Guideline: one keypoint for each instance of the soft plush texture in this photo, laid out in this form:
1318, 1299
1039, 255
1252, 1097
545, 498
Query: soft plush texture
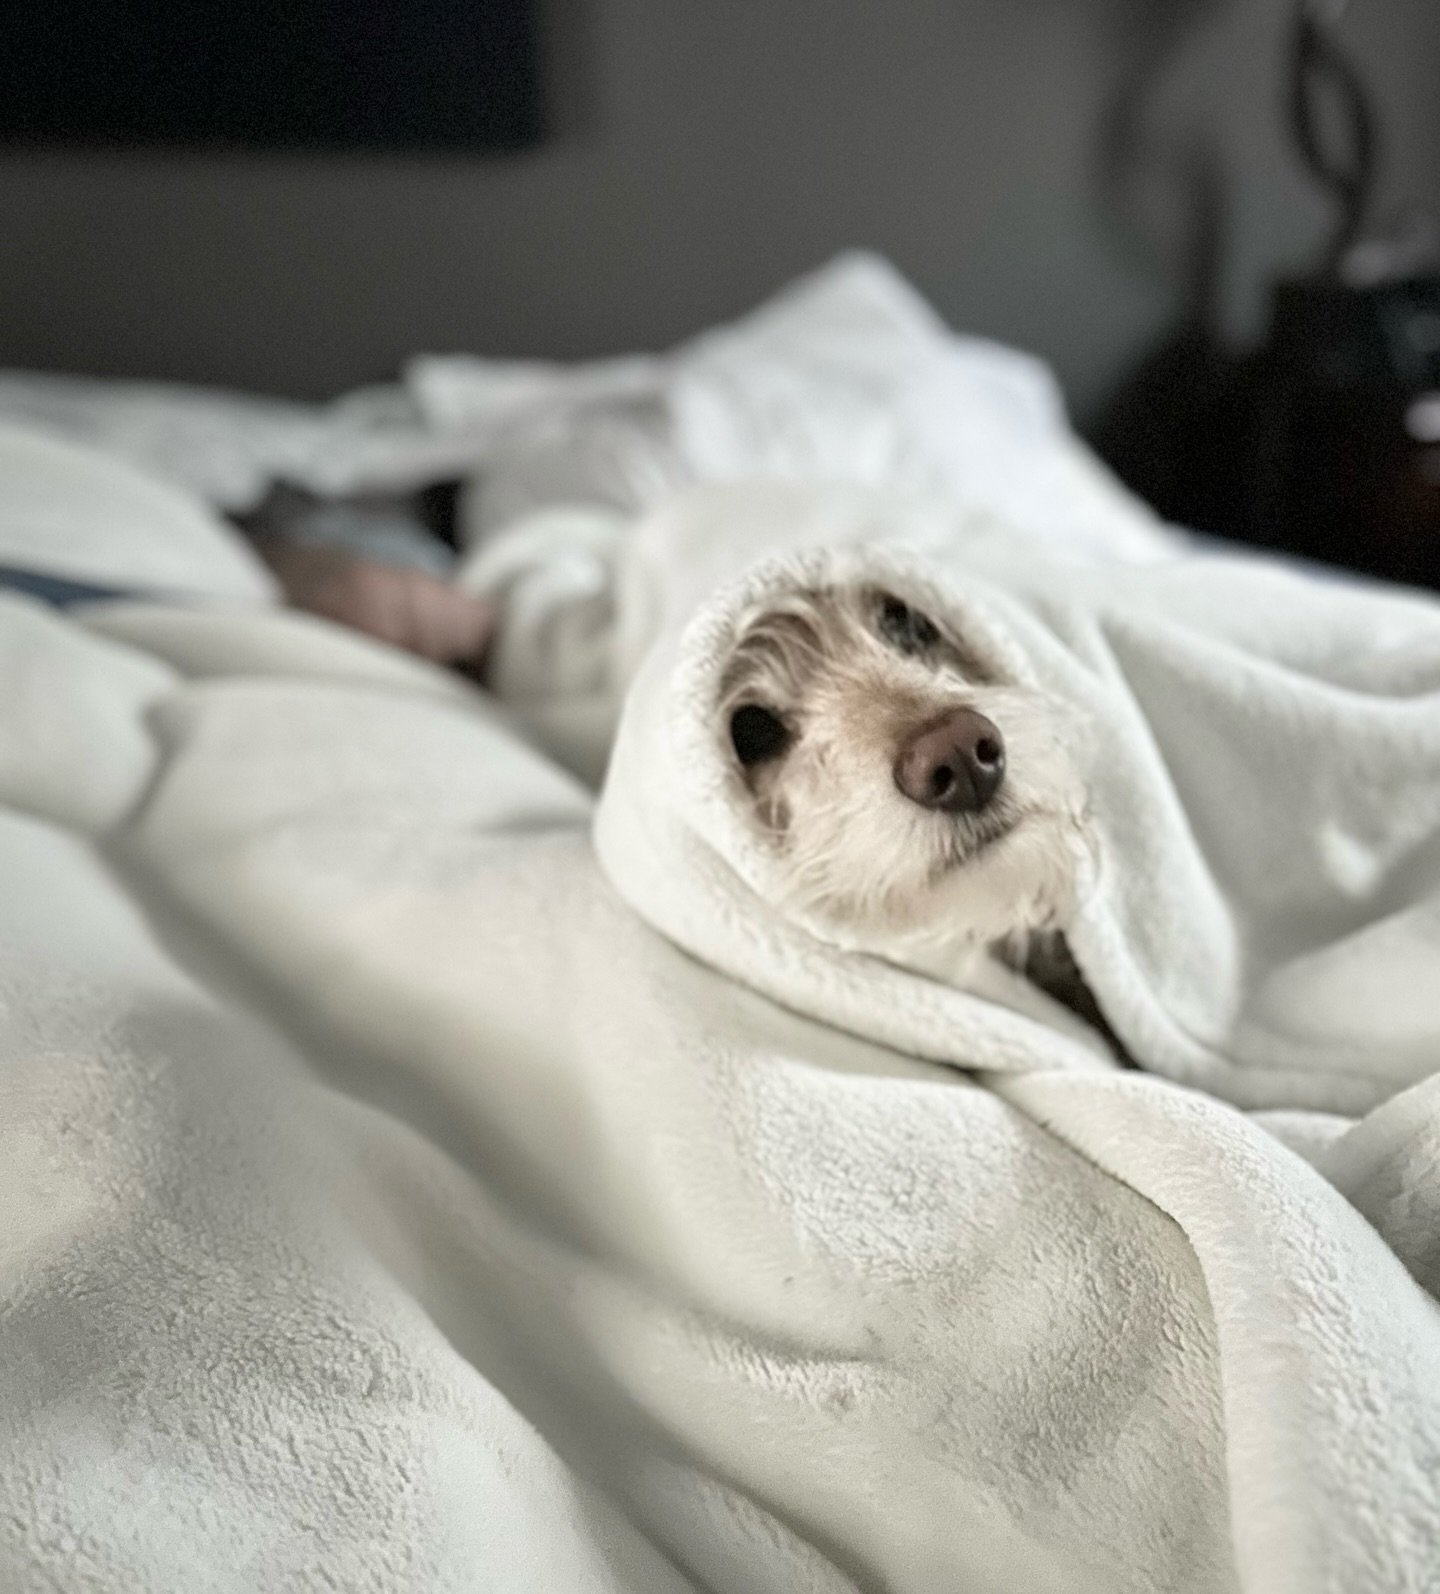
1263, 754
413, 1181
1265, 747
393, 1206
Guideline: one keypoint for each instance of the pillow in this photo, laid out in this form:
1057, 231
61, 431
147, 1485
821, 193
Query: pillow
76, 512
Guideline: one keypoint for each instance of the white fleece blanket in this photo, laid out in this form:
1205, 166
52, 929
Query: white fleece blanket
396, 1199
389, 1207
1263, 761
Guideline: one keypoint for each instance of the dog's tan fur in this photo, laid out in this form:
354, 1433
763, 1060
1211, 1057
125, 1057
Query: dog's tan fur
858, 860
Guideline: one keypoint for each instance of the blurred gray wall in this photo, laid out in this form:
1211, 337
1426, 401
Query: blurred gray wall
1036, 166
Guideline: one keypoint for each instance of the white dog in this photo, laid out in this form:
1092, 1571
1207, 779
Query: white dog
923, 807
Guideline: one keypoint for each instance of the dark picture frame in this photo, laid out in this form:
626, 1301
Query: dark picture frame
324, 75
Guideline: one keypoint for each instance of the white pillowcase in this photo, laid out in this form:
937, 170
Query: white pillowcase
73, 511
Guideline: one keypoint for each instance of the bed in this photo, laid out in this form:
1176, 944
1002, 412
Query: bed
428, 1165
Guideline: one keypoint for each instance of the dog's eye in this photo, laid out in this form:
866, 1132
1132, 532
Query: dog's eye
906, 628
757, 734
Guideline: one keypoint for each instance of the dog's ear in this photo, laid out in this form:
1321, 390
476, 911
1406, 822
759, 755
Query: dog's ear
757, 734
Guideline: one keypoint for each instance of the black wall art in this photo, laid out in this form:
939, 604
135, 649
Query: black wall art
271, 74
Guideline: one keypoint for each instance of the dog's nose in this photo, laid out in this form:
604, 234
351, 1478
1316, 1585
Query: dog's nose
955, 765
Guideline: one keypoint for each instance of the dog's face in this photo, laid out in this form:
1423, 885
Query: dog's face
912, 793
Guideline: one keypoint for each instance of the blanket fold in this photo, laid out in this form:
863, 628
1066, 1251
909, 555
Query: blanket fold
413, 1176
1265, 924
1263, 753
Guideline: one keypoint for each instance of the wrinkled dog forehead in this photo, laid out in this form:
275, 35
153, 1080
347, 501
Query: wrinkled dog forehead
784, 642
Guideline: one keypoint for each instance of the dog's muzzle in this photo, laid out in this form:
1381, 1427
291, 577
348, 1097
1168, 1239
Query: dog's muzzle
954, 765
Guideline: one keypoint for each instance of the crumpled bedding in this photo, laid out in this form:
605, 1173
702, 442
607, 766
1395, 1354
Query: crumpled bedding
1263, 752
391, 1207
846, 374
400, 1195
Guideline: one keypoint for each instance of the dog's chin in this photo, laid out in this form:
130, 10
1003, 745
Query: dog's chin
958, 848
1016, 875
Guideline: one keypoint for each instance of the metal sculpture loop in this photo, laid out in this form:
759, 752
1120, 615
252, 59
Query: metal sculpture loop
1344, 160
